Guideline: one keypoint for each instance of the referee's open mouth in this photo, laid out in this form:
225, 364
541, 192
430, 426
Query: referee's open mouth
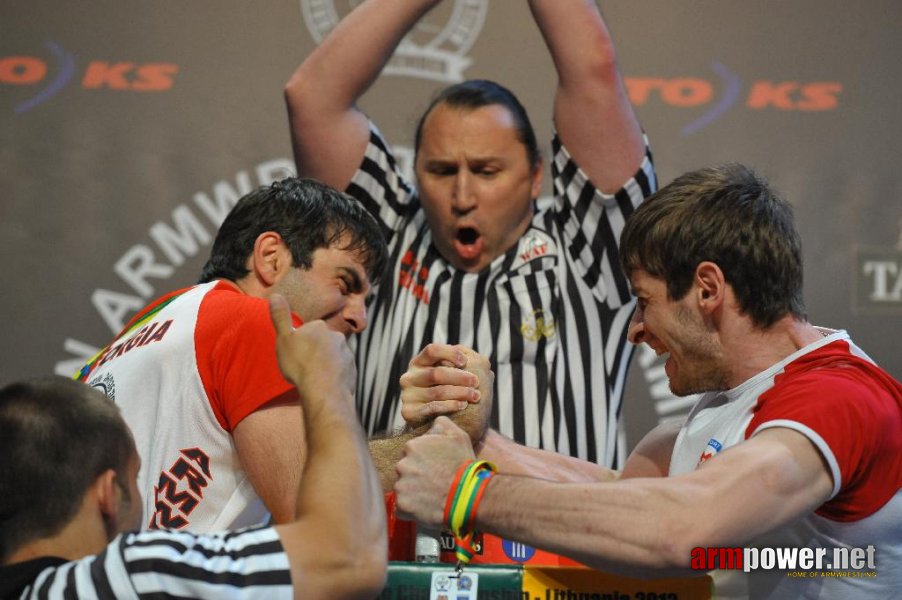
468, 243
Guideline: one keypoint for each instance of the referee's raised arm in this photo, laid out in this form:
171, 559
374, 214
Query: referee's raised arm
328, 133
592, 112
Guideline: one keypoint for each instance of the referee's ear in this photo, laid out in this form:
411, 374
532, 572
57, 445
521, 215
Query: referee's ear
537, 175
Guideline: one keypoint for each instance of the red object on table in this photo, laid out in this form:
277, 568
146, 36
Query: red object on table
402, 535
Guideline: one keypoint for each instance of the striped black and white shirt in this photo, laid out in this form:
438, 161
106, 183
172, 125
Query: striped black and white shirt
173, 564
551, 313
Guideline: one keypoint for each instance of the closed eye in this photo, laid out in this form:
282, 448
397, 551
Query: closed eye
350, 282
441, 170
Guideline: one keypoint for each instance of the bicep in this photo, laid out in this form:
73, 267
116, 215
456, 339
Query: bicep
760, 485
592, 112
600, 130
272, 449
651, 456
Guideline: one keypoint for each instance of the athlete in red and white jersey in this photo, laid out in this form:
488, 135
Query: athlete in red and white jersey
831, 393
796, 444
195, 374
184, 380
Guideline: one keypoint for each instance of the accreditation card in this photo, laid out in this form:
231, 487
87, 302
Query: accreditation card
447, 585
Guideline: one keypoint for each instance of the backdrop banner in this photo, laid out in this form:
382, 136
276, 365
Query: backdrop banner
129, 129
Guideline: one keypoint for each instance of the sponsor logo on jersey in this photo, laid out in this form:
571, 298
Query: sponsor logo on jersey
180, 490
710, 450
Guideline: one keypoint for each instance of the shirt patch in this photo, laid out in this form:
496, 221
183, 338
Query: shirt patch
412, 277
106, 384
534, 244
710, 451
537, 325
180, 489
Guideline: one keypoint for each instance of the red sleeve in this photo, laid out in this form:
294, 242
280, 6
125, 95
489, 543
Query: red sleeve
855, 410
235, 344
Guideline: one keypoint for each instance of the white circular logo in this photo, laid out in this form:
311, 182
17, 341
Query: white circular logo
434, 49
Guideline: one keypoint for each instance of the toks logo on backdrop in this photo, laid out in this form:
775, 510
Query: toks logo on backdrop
436, 49
49, 75
763, 94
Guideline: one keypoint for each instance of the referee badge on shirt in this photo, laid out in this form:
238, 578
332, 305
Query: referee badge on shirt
537, 325
533, 245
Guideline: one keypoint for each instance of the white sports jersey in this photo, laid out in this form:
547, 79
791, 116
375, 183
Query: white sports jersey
831, 393
184, 373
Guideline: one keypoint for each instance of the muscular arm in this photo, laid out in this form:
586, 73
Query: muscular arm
270, 443
649, 523
651, 458
592, 112
632, 525
337, 547
515, 459
329, 134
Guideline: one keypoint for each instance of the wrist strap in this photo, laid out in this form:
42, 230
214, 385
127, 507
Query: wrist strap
463, 500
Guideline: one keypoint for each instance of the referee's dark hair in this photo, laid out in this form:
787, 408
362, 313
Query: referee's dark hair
476, 93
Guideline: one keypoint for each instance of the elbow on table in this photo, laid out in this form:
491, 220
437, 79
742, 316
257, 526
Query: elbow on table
360, 575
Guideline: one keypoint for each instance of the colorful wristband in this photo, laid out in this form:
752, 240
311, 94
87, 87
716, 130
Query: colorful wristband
464, 497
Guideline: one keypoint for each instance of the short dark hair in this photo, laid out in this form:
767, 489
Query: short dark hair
728, 215
476, 93
308, 215
56, 437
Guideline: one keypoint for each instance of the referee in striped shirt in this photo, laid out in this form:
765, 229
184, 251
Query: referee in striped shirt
475, 261
69, 491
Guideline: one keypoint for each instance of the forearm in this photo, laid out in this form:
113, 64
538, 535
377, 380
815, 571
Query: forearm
339, 479
347, 62
387, 451
337, 545
636, 524
515, 459
328, 134
635, 529
340, 532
